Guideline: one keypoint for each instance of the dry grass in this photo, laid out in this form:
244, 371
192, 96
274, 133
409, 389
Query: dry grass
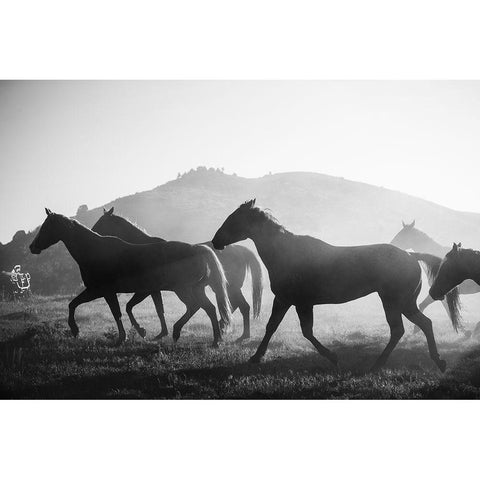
52, 364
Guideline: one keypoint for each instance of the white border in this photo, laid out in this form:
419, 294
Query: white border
249, 39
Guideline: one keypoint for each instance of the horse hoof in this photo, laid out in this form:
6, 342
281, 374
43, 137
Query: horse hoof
142, 332
161, 335
442, 365
255, 359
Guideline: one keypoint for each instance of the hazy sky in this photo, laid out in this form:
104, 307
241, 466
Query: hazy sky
65, 143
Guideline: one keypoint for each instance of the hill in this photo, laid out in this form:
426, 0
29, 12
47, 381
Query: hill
192, 207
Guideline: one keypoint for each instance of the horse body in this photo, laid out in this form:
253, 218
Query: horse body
235, 260
109, 265
305, 271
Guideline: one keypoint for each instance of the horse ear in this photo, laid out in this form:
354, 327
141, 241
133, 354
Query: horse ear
110, 211
460, 245
455, 247
412, 224
403, 224
48, 212
249, 203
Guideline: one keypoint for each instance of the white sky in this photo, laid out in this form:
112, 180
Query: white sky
63, 143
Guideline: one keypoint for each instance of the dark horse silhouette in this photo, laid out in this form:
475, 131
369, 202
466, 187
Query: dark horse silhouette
410, 237
305, 271
235, 261
109, 266
458, 265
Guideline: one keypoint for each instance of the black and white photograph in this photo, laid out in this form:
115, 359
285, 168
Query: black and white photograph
239, 240
157, 263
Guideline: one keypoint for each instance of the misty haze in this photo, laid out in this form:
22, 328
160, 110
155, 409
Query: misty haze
171, 239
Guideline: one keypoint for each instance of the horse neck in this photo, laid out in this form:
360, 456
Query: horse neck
428, 245
269, 243
130, 233
473, 266
80, 242
135, 235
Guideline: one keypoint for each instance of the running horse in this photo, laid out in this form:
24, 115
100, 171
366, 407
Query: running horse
108, 266
458, 265
236, 260
305, 271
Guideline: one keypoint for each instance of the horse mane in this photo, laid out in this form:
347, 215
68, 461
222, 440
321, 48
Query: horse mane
454, 307
469, 251
130, 223
264, 215
425, 236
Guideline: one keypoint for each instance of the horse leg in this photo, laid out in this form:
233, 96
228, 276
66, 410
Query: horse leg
245, 311
425, 324
158, 302
112, 301
305, 314
279, 310
135, 300
209, 308
192, 307
428, 300
395, 322
84, 297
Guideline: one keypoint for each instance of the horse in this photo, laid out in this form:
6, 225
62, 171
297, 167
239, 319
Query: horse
305, 271
109, 265
412, 238
458, 265
236, 260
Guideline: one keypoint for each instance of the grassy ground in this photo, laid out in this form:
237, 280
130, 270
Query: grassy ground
52, 364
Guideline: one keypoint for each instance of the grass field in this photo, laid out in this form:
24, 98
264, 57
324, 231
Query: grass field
52, 364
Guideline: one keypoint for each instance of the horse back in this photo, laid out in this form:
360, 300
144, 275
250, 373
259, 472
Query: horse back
321, 273
124, 267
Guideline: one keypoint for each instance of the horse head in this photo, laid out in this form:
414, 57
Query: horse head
50, 232
236, 227
405, 237
450, 273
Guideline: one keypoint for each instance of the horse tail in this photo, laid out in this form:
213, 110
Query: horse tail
253, 264
454, 306
218, 283
432, 264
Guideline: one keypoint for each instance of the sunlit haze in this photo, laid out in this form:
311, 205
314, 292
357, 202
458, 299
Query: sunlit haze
63, 144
